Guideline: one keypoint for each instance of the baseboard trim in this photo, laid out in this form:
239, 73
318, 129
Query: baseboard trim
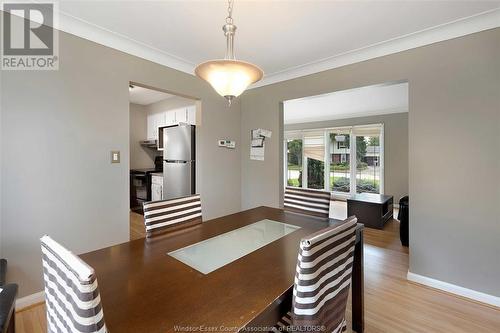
27, 301
454, 289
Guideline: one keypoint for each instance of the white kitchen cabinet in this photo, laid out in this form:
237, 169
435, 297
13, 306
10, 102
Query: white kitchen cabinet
186, 115
154, 121
150, 127
191, 115
161, 120
156, 188
156, 192
170, 118
181, 115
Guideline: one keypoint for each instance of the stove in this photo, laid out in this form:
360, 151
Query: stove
144, 171
140, 185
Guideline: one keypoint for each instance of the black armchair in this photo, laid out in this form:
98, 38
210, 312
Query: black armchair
7, 301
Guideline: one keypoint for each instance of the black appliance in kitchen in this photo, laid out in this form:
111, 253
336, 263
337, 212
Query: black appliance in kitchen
140, 185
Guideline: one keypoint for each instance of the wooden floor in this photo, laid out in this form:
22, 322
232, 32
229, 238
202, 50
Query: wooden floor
392, 304
137, 226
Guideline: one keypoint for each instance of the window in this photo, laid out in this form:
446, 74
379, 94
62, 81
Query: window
294, 162
368, 172
314, 152
339, 161
344, 161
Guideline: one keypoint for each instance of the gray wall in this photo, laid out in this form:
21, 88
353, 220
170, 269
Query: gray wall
395, 146
140, 157
57, 131
454, 139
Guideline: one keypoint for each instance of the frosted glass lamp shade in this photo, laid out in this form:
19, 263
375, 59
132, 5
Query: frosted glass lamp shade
228, 77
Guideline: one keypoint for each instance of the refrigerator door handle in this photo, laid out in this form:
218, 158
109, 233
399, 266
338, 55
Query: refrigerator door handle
175, 161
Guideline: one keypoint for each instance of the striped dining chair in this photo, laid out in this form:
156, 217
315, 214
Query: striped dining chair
307, 201
171, 215
322, 280
71, 293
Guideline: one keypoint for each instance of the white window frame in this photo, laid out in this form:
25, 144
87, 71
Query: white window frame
300, 135
326, 181
354, 161
294, 135
348, 131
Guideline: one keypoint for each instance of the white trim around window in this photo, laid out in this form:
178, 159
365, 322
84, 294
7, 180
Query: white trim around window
352, 131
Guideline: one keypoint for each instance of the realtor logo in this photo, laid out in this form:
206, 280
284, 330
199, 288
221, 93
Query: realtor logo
29, 36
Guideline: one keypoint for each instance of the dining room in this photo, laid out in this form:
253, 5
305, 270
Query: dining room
269, 224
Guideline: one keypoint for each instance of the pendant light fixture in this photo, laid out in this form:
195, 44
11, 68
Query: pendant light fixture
228, 76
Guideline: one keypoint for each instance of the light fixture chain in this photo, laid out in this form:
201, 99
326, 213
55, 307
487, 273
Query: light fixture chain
229, 18
229, 77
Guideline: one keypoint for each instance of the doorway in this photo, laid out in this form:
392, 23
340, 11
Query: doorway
152, 112
338, 142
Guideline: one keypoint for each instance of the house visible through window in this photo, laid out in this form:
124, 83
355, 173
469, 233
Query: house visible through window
341, 160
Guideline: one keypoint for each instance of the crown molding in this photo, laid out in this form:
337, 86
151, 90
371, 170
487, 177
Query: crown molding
100, 35
461, 27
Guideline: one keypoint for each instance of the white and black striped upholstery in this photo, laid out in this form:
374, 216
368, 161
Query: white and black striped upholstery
169, 215
322, 280
71, 292
307, 201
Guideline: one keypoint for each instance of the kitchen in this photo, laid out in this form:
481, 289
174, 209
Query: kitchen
162, 147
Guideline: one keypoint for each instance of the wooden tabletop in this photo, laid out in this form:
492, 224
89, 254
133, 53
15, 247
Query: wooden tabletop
143, 289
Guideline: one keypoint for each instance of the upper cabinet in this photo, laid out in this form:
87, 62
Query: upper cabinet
185, 115
191, 115
180, 115
155, 121
170, 118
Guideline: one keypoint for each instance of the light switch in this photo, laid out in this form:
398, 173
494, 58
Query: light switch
115, 156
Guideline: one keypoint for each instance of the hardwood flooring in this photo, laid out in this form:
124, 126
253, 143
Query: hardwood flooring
392, 304
137, 229
31, 319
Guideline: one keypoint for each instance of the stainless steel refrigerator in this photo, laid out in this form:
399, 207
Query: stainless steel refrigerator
178, 161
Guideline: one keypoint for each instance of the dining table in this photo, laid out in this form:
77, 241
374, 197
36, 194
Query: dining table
229, 274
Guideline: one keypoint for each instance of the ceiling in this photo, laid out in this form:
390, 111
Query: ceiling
358, 102
144, 96
286, 38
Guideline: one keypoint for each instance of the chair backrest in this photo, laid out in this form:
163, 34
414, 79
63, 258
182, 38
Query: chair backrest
71, 292
323, 278
170, 215
307, 201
